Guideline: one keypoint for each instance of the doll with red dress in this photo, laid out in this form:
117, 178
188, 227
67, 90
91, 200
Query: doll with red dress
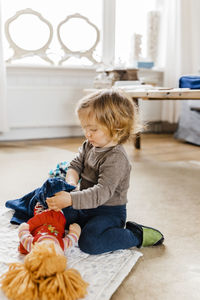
44, 275
47, 225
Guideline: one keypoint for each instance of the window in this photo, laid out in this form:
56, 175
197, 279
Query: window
25, 28
128, 17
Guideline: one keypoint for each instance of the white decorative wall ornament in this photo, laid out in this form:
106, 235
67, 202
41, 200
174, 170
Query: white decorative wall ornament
69, 53
20, 52
137, 46
153, 27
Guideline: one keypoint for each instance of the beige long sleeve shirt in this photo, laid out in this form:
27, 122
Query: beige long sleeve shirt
104, 174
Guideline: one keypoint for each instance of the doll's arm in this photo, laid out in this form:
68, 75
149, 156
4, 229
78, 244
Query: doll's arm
72, 237
25, 237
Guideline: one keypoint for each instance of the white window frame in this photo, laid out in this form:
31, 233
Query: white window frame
107, 36
108, 41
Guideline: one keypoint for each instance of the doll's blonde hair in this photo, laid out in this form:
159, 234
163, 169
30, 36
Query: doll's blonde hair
114, 110
44, 276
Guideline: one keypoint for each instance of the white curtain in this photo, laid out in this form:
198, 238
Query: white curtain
181, 23
3, 104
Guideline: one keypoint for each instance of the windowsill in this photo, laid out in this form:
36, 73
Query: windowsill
154, 70
49, 67
70, 67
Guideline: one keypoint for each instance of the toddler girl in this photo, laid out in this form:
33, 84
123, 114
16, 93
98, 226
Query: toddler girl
108, 118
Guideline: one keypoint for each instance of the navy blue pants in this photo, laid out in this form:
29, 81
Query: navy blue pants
102, 228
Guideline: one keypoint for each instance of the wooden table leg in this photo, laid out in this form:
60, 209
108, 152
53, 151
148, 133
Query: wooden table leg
137, 141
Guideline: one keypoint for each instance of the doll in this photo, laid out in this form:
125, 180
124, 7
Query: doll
43, 275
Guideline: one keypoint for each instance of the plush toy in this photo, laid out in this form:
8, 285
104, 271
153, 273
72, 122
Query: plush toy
60, 170
43, 275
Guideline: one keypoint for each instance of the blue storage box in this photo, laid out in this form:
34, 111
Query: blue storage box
145, 64
190, 81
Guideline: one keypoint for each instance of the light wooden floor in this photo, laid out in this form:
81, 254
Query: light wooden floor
159, 147
164, 147
156, 198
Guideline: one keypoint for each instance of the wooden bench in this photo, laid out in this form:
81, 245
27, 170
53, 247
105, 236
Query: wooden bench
156, 94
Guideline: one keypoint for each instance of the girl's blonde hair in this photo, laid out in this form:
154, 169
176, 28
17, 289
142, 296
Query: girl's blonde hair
114, 110
43, 275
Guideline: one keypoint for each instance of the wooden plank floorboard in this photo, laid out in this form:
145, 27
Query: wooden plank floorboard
161, 147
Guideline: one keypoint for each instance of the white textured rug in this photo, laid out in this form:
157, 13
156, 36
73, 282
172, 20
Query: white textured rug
104, 272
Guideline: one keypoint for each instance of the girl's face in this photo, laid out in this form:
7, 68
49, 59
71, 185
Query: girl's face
96, 134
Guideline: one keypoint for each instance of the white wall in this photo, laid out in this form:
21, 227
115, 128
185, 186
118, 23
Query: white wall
41, 101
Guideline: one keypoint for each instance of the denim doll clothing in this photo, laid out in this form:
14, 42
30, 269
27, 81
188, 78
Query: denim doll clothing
24, 207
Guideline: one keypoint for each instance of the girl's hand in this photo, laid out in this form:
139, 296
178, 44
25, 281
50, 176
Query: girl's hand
59, 201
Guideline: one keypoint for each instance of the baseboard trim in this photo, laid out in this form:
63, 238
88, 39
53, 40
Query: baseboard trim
15, 134
30, 133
